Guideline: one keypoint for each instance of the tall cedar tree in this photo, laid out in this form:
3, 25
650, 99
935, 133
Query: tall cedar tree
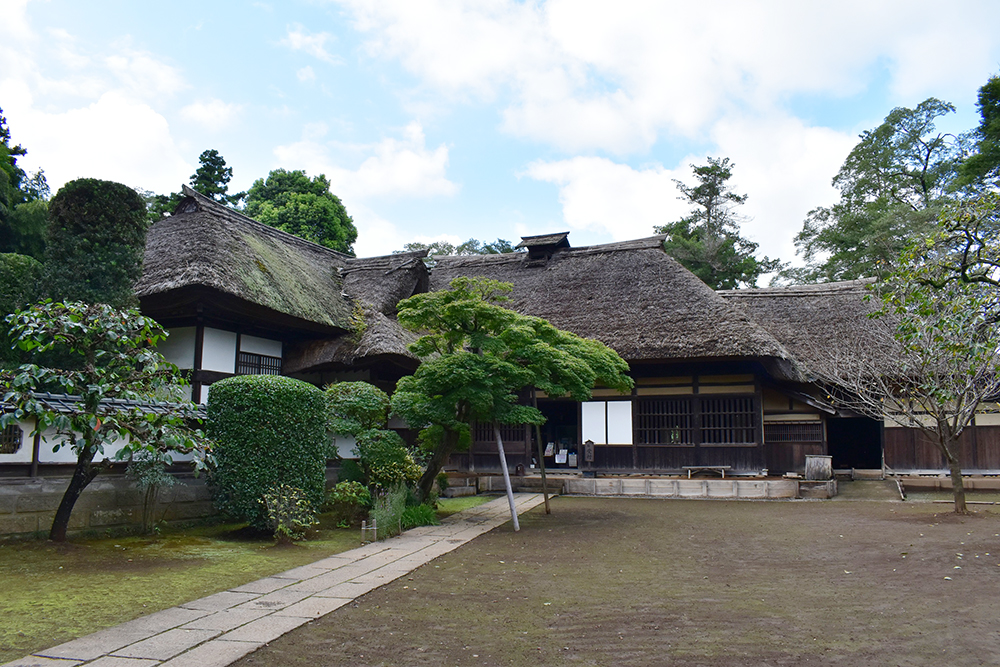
708, 241
303, 206
212, 179
97, 237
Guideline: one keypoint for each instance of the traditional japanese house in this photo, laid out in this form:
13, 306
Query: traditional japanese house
713, 387
822, 326
240, 297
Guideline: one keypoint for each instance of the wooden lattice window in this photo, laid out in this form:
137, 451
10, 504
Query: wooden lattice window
248, 363
663, 421
728, 421
10, 439
793, 432
483, 432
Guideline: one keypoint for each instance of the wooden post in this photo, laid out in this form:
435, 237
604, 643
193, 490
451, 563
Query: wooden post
541, 455
506, 477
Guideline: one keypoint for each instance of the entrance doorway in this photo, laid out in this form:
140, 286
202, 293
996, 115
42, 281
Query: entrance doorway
561, 430
855, 442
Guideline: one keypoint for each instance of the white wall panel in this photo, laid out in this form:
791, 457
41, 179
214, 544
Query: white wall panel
178, 348
22, 455
255, 345
594, 422
619, 422
219, 352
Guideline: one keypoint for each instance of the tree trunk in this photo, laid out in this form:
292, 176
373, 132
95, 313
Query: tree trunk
438, 458
541, 455
506, 477
957, 485
83, 474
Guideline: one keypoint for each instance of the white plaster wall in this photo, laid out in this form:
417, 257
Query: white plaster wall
345, 446
219, 351
22, 455
255, 345
595, 422
66, 454
620, 422
178, 348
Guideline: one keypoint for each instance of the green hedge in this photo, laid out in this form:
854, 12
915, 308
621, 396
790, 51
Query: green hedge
268, 430
96, 241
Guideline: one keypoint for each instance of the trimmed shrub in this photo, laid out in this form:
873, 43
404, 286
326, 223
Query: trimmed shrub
290, 513
386, 460
355, 407
268, 430
96, 240
349, 503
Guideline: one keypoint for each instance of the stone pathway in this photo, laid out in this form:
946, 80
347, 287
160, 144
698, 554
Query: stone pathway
220, 629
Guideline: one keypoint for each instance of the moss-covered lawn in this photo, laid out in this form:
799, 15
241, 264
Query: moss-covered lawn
56, 592
630, 582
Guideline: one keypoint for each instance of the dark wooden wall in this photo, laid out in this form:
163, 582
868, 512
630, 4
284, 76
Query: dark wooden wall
910, 449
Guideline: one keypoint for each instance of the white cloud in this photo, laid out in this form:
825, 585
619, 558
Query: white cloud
376, 235
392, 167
115, 138
213, 114
314, 44
579, 75
143, 75
306, 74
784, 166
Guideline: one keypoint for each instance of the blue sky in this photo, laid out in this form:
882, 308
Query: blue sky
490, 118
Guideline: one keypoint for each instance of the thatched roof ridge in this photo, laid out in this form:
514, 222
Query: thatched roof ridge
558, 239
384, 281
207, 245
822, 325
630, 295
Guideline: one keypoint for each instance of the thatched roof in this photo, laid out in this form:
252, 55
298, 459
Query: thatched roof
382, 282
631, 296
381, 339
206, 245
821, 325
558, 240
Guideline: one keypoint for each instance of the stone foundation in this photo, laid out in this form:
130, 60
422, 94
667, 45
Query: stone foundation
27, 505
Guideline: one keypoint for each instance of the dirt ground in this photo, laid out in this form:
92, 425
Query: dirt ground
606, 581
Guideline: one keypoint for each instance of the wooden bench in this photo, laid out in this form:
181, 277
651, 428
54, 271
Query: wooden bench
719, 469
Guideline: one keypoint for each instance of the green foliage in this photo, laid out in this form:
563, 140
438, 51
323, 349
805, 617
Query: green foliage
268, 430
385, 459
148, 469
892, 187
442, 482
477, 356
212, 179
983, 167
290, 512
470, 247
19, 276
419, 515
97, 237
350, 471
349, 503
26, 229
292, 202
22, 201
108, 354
387, 512
356, 407
707, 242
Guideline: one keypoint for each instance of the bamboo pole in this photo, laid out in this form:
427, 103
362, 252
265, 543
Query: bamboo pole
506, 478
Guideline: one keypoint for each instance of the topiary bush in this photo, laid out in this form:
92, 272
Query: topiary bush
386, 460
96, 240
268, 430
356, 407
